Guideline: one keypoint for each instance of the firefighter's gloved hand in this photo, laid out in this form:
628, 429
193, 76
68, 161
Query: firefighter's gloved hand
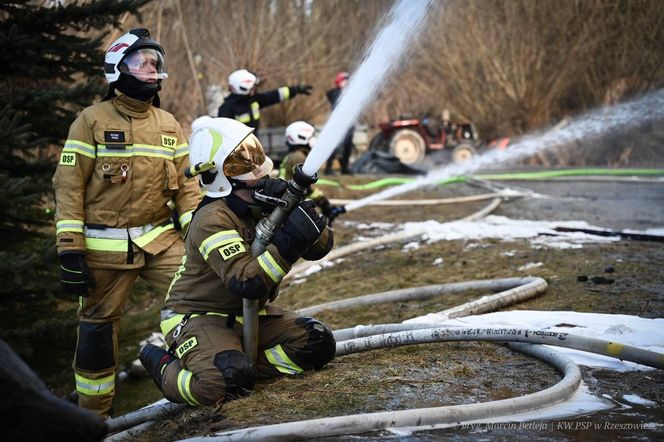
75, 275
301, 89
334, 212
272, 189
324, 205
302, 228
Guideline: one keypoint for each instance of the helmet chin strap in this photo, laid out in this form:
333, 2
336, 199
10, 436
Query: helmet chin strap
238, 184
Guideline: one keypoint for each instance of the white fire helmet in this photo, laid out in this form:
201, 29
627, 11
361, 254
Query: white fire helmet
242, 81
200, 122
300, 133
230, 149
136, 43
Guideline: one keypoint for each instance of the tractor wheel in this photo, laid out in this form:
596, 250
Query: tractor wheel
408, 146
463, 152
378, 142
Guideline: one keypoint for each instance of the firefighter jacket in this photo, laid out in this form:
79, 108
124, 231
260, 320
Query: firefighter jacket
333, 97
297, 155
246, 108
219, 270
122, 165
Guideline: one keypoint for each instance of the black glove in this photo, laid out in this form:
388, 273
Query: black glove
266, 190
302, 228
334, 212
324, 205
301, 89
75, 275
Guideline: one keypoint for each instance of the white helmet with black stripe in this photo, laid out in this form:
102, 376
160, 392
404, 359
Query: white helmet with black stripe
242, 81
300, 133
132, 51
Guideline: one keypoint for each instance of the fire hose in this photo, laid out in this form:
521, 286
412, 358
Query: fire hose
294, 195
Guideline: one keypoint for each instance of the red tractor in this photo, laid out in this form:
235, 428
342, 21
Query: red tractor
411, 139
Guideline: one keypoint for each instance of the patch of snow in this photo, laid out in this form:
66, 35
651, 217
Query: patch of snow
540, 233
633, 330
411, 246
638, 400
530, 265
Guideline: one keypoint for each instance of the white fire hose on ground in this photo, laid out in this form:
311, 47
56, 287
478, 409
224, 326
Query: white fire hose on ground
511, 290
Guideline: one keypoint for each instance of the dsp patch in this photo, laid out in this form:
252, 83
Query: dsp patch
68, 159
231, 250
186, 346
167, 141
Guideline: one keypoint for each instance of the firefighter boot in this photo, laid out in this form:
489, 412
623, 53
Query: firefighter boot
155, 360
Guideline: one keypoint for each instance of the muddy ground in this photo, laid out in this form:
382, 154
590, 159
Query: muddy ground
460, 373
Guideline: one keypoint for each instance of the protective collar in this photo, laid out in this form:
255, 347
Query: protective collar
130, 106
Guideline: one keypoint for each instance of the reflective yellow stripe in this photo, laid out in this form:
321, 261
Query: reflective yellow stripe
177, 276
185, 219
244, 118
76, 146
69, 225
284, 93
278, 357
315, 194
217, 240
181, 150
282, 168
270, 266
184, 384
135, 150
106, 245
95, 387
256, 110
144, 240
167, 325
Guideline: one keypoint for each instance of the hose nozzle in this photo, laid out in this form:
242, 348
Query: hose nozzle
301, 179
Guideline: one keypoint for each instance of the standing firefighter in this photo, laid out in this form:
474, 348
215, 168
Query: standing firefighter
345, 147
122, 164
244, 103
299, 140
202, 316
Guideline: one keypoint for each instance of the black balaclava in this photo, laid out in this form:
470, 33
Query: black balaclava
137, 89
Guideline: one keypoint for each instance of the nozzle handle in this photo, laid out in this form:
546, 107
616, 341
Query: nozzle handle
199, 168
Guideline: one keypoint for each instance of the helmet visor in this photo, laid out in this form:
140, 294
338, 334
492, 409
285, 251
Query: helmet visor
144, 64
247, 161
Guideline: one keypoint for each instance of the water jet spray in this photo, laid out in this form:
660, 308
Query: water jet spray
591, 125
404, 20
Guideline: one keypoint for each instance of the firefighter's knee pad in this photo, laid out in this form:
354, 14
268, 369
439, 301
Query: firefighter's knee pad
239, 373
94, 351
320, 347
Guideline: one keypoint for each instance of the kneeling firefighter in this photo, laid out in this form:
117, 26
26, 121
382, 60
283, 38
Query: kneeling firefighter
202, 316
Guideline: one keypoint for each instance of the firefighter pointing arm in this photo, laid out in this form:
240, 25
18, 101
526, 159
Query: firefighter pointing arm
122, 164
202, 315
244, 102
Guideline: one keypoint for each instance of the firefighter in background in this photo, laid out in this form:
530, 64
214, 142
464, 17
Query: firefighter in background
244, 103
202, 314
299, 140
122, 165
345, 147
